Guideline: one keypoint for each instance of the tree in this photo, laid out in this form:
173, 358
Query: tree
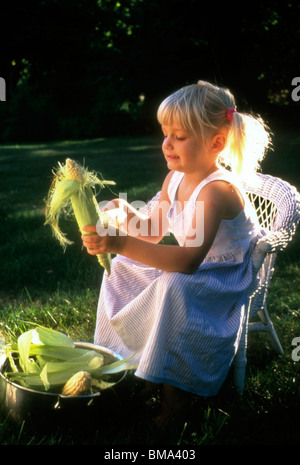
78, 68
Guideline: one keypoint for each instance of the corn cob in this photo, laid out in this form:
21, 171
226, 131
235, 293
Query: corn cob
74, 184
78, 385
84, 207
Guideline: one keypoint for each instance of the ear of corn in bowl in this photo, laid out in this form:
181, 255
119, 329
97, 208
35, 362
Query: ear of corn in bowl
47, 360
73, 189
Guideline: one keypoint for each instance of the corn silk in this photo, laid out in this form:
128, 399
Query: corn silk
72, 191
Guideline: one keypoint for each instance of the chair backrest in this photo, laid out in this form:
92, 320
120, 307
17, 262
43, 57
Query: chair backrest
277, 205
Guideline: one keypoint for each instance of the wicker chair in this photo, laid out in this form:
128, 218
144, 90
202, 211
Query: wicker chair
277, 205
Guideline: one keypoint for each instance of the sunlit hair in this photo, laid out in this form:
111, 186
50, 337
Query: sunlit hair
202, 107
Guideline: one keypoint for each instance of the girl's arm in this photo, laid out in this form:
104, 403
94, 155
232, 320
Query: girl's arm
167, 257
148, 228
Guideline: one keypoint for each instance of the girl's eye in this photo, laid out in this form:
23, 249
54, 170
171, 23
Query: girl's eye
176, 137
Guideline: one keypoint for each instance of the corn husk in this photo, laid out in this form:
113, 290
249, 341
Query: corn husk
45, 359
72, 191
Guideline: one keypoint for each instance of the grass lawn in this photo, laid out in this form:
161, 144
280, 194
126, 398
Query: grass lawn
39, 282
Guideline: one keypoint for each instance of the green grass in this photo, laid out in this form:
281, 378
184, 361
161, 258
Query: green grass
41, 283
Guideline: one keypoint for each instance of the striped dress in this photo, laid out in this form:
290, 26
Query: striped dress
183, 328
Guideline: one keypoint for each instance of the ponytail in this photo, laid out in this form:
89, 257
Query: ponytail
247, 143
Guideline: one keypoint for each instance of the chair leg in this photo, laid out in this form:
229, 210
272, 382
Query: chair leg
267, 326
275, 341
239, 374
240, 360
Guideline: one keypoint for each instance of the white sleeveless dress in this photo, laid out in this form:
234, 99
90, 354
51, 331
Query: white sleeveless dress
183, 328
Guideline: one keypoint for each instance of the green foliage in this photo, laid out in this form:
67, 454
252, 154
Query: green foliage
78, 69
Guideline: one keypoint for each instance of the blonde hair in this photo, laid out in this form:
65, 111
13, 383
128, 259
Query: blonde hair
202, 108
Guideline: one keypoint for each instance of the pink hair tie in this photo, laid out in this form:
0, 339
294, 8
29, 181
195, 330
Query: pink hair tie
229, 113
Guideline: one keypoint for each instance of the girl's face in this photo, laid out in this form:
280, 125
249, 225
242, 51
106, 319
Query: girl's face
183, 150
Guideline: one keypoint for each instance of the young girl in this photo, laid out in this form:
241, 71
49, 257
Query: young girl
180, 308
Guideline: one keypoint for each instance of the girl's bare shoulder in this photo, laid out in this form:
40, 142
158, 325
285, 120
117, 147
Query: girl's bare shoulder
223, 195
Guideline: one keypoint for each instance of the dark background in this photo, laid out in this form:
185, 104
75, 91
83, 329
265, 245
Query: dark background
77, 69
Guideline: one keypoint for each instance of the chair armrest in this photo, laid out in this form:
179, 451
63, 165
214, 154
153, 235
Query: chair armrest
261, 248
271, 243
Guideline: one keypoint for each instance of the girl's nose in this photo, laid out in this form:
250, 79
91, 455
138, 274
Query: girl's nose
167, 142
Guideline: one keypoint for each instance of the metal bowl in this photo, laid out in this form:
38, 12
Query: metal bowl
44, 408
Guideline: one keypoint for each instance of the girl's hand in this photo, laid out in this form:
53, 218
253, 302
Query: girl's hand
105, 242
93, 243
